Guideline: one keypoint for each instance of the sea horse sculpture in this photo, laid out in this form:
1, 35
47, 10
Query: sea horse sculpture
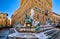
37, 26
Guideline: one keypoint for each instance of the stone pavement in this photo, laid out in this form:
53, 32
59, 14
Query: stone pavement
49, 34
4, 34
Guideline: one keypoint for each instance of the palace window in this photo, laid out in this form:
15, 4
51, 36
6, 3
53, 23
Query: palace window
38, 0
43, 17
37, 9
0, 17
47, 12
42, 12
37, 16
3, 17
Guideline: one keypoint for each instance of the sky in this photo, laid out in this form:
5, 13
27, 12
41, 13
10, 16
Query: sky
56, 6
10, 6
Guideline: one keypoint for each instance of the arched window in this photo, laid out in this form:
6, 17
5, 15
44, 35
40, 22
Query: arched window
38, 0
37, 9
47, 12
37, 16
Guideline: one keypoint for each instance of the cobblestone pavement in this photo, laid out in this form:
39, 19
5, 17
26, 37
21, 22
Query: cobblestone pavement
54, 34
4, 34
51, 34
57, 35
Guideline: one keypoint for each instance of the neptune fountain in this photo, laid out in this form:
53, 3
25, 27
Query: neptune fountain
30, 30
29, 25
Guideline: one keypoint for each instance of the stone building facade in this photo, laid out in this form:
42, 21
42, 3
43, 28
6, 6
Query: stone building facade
42, 10
3, 19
